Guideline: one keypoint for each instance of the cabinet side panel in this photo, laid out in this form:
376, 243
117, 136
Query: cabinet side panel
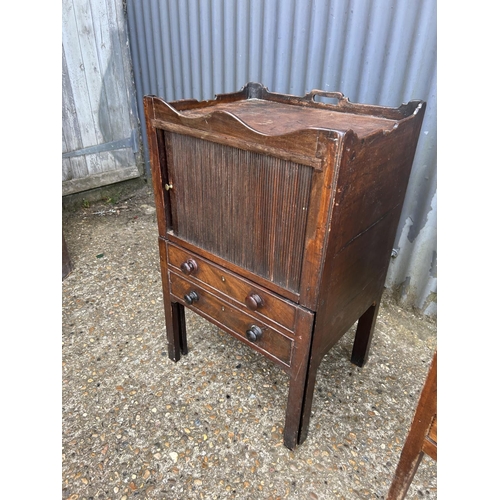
369, 197
248, 208
357, 282
372, 181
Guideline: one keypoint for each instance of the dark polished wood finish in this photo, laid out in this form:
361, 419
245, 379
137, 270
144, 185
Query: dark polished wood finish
421, 439
239, 194
279, 213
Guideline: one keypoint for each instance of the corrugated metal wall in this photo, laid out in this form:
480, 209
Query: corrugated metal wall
377, 52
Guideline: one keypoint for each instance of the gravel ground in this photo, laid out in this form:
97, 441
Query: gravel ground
137, 425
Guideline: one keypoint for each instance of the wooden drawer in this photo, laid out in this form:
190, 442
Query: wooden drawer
234, 287
272, 343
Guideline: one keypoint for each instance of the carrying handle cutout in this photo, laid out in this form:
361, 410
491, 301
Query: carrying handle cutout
338, 97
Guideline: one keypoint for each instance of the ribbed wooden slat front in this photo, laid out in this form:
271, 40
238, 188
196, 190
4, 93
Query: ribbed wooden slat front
248, 208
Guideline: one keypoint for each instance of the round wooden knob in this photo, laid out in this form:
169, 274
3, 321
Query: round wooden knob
254, 301
189, 267
254, 333
191, 297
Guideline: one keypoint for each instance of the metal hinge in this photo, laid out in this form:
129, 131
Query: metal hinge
131, 142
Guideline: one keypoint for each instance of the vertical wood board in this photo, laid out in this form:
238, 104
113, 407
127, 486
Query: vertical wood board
100, 125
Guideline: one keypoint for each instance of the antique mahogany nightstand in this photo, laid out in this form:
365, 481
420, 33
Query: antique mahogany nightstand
276, 218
